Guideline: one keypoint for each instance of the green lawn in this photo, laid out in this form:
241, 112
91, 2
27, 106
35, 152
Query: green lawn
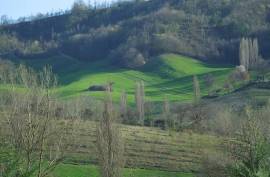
168, 74
66, 170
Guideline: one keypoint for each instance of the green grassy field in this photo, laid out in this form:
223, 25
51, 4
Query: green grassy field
168, 74
67, 170
145, 148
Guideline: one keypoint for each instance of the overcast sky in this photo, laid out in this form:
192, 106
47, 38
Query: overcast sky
20, 8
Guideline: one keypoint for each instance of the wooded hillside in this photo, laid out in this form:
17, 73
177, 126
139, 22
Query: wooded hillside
131, 33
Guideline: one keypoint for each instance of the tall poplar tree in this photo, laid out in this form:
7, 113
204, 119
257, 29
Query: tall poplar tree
109, 142
123, 106
139, 99
196, 89
249, 52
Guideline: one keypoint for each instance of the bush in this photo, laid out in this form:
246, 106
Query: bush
251, 148
9, 43
215, 165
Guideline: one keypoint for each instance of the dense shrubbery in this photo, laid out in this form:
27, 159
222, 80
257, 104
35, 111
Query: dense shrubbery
10, 44
246, 154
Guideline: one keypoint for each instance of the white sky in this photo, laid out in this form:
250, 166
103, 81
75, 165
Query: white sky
22, 8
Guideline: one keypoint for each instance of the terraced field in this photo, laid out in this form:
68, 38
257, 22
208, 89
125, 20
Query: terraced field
149, 152
147, 148
168, 74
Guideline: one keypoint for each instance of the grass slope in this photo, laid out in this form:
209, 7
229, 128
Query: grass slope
146, 148
168, 74
67, 170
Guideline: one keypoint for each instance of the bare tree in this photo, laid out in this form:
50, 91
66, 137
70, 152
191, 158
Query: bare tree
238, 75
31, 121
196, 89
169, 122
140, 101
181, 112
209, 82
123, 106
197, 115
109, 142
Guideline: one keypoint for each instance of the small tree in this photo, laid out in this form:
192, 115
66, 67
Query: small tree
196, 89
109, 142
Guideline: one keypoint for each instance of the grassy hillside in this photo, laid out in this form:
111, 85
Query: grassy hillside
68, 170
167, 74
152, 150
146, 148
